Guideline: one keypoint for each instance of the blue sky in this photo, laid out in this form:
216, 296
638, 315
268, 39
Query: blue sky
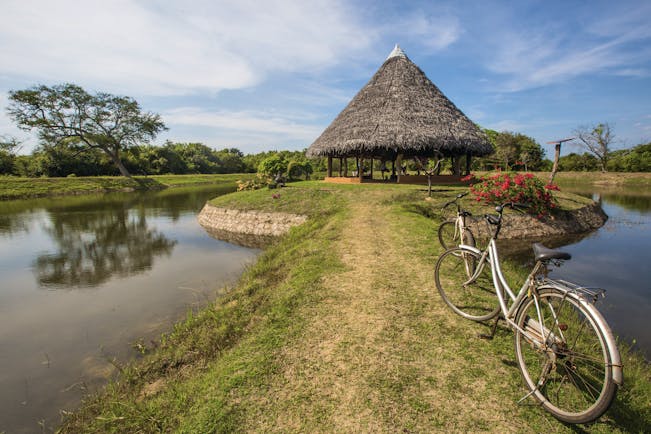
262, 75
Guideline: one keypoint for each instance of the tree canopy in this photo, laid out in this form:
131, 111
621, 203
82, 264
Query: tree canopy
67, 115
512, 151
597, 139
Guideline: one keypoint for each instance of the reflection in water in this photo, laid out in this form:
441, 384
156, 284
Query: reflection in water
148, 262
241, 239
627, 198
94, 246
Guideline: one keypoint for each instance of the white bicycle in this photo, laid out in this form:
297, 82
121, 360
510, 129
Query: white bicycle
452, 233
565, 349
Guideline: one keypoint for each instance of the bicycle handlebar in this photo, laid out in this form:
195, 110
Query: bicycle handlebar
459, 196
497, 220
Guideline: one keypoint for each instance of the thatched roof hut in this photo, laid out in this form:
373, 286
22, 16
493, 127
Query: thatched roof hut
400, 112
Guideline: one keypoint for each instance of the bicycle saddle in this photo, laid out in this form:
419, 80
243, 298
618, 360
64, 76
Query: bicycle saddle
542, 253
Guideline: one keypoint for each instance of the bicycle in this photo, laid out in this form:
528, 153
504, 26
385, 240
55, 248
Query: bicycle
455, 232
564, 348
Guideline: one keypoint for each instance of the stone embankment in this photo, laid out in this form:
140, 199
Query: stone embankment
524, 226
247, 228
257, 229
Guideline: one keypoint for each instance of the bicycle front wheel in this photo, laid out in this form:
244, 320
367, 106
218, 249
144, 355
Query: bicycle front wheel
466, 285
569, 369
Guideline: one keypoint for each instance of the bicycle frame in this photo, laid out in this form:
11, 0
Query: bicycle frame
502, 288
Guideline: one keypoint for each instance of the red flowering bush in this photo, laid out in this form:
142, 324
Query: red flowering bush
502, 187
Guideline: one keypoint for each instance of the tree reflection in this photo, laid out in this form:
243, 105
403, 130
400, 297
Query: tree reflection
94, 246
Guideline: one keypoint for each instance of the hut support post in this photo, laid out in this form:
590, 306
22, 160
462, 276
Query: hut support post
360, 169
399, 164
345, 166
329, 166
456, 166
468, 162
371, 169
340, 166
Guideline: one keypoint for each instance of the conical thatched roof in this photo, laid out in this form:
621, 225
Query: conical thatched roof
400, 111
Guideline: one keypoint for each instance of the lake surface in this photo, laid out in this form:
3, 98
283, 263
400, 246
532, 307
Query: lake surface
86, 278
616, 258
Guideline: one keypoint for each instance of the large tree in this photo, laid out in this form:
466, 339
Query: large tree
67, 115
597, 139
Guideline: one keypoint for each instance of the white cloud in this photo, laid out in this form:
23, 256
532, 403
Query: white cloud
434, 32
230, 128
168, 47
506, 125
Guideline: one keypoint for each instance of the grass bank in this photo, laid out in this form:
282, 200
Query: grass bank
608, 179
20, 188
338, 328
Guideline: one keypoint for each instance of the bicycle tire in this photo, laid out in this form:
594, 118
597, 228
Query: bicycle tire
448, 234
468, 238
472, 299
578, 386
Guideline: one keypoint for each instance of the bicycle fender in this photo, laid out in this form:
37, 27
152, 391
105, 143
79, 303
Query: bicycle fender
471, 248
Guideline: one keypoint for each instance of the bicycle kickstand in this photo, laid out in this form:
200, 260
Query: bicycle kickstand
493, 330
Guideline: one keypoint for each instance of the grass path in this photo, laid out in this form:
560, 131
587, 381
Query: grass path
377, 354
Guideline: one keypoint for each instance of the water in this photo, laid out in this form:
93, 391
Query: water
616, 258
86, 278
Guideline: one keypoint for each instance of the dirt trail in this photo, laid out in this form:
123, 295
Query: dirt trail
359, 367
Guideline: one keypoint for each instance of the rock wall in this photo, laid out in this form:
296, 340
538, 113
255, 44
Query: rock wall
524, 226
247, 228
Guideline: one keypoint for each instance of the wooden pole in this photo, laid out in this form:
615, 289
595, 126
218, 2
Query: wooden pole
329, 173
557, 155
360, 169
340, 164
345, 166
399, 164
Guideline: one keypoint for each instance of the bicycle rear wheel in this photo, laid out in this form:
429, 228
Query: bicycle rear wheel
449, 235
466, 285
570, 375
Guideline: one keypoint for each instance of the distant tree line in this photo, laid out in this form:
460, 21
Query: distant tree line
636, 159
170, 158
